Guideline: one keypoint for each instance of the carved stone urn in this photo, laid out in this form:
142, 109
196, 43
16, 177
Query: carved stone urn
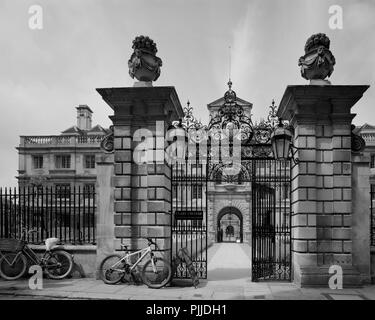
318, 61
143, 64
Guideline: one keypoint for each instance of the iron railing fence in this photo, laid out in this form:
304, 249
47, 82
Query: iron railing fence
61, 212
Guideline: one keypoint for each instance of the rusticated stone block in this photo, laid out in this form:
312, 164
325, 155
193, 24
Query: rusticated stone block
164, 244
163, 194
122, 131
300, 245
328, 182
324, 220
299, 220
139, 194
347, 142
122, 206
158, 181
311, 194
347, 168
305, 130
143, 218
307, 155
122, 219
305, 233
342, 206
327, 207
337, 142
156, 206
306, 207
323, 233
347, 246
123, 156
341, 129
156, 231
337, 168
324, 194
347, 221
122, 181
151, 193
301, 142
337, 220
311, 220
346, 194
163, 219
342, 259
324, 168
341, 155
117, 143
323, 144
123, 231
305, 181
342, 233
342, 181
337, 194
329, 246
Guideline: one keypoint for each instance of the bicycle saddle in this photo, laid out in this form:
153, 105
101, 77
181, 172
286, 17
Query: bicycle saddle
125, 247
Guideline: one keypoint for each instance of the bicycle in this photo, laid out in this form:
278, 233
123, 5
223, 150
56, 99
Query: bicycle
55, 262
156, 272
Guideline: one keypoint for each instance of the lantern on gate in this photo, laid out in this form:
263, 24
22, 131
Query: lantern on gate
281, 141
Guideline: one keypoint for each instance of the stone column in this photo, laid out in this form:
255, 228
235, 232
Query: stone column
104, 207
142, 192
322, 209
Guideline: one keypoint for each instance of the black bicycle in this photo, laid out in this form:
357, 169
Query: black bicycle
14, 255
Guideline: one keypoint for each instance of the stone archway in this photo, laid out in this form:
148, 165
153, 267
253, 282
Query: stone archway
229, 230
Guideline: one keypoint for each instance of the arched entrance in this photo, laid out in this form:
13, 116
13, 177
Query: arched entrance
229, 225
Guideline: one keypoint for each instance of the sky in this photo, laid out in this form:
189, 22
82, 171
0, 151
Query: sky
85, 44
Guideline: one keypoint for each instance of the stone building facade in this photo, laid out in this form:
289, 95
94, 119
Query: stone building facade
64, 160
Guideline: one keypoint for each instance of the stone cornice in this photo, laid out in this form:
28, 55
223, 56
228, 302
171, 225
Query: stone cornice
315, 100
146, 99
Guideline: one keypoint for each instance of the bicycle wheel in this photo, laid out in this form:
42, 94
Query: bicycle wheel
13, 266
159, 277
111, 269
59, 264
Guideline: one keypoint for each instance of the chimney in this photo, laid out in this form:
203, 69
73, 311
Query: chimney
84, 115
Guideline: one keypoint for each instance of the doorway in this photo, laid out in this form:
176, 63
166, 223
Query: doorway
229, 225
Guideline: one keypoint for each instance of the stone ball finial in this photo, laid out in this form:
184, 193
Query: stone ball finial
318, 61
143, 64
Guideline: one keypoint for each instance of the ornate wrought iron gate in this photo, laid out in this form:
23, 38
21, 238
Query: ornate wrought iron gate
189, 218
231, 132
270, 194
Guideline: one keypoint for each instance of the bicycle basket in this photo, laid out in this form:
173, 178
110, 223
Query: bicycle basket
11, 245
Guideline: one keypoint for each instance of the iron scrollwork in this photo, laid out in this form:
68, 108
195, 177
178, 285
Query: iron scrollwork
230, 118
358, 144
107, 143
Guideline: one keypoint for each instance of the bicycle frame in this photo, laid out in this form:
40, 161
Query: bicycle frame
142, 252
11, 263
28, 253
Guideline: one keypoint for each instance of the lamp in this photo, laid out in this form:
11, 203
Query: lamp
281, 140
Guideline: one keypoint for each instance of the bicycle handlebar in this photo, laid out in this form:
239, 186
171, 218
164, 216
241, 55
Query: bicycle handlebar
150, 242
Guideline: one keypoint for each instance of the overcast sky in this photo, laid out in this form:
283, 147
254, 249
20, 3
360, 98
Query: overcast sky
85, 44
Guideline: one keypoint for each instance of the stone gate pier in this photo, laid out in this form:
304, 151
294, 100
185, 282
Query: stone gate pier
330, 185
142, 199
